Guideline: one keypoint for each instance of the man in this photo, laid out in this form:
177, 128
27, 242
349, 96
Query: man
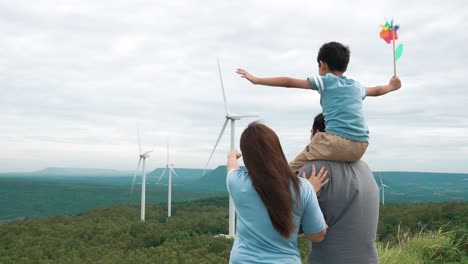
350, 205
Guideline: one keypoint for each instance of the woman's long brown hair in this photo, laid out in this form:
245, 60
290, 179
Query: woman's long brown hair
270, 174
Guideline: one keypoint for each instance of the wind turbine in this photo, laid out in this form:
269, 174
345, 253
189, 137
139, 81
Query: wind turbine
382, 187
169, 166
143, 157
232, 118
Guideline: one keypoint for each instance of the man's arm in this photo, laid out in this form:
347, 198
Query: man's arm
393, 85
276, 81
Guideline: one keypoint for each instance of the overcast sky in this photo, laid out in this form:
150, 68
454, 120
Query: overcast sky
77, 76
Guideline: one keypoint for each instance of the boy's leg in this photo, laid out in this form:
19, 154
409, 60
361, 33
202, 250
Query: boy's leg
296, 164
336, 148
318, 149
325, 146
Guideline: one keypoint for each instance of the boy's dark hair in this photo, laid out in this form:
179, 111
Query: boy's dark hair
319, 124
335, 54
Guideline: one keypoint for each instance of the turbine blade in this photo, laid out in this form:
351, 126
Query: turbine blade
222, 88
138, 133
160, 177
134, 175
381, 182
174, 171
217, 141
242, 115
167, 149
147, 152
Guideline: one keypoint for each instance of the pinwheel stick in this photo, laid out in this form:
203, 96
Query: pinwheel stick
394, 58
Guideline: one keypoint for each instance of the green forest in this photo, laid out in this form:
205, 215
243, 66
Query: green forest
416, 233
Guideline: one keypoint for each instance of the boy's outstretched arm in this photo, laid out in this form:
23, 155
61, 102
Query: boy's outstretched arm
393, 84
276, 81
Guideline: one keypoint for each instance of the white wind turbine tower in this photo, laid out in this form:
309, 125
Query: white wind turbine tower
382, 187
143, 157
229, 117
169, 166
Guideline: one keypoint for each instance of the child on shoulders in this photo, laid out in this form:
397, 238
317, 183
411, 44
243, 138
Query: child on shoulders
346, 136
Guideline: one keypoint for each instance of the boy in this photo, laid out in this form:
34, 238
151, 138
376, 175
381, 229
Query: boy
346, 135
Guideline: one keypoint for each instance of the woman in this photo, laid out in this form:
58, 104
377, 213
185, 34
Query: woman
271, 201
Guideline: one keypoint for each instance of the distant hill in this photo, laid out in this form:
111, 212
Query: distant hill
404, 187
54, 171
419, 187
184, 175
215, 180
215, 177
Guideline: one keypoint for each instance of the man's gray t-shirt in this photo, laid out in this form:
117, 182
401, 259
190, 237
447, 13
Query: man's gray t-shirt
350, 205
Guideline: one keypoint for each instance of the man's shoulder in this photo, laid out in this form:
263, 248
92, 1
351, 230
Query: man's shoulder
356, 166
337, 163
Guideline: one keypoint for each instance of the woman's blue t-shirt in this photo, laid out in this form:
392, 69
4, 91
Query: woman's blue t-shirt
256, 239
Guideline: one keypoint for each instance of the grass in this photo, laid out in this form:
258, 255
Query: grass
424, 247
429, 247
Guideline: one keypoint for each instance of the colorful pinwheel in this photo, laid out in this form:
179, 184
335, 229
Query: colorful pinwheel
389, 34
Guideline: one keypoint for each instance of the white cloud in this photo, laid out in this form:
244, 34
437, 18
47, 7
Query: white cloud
77, 76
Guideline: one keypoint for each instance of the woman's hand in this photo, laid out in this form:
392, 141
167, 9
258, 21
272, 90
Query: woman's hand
234, 154
317, 180
232, 157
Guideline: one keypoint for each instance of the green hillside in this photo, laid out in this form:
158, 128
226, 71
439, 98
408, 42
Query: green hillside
32, 195
25, 197
115, 235
420, 187
214, 180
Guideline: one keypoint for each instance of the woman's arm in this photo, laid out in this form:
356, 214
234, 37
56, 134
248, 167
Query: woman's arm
232, 163
313, 222
317, 237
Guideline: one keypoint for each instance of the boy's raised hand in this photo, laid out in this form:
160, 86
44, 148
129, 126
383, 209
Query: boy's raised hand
244, 74
395, 83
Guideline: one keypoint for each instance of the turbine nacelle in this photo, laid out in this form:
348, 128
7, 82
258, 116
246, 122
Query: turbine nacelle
239, 116
146, 154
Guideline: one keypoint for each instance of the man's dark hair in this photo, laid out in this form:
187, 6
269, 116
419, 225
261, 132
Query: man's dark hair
335, 54
319, 124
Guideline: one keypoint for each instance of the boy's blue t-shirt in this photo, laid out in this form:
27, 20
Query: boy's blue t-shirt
256, 239
341, 99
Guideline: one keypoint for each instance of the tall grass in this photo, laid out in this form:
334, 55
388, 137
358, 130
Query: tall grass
424, 247
429, 247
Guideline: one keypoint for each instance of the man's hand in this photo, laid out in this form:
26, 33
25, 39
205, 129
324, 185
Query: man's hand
317, 180
395, 83
244, 74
